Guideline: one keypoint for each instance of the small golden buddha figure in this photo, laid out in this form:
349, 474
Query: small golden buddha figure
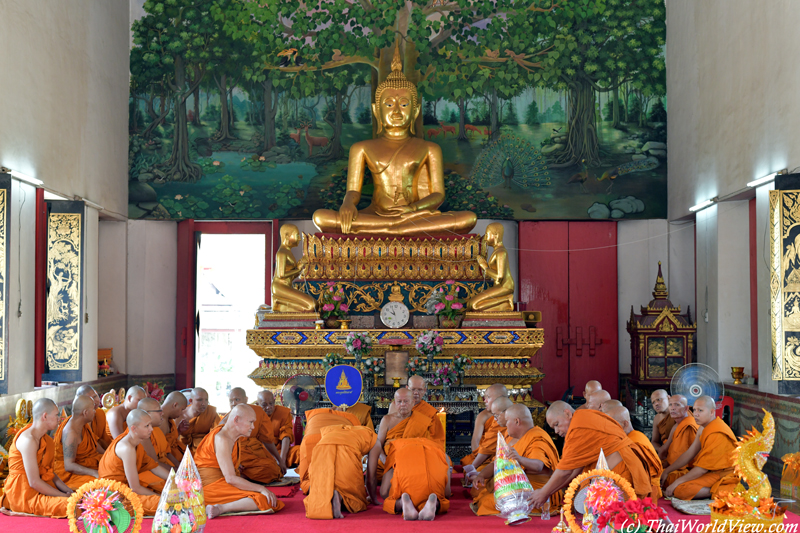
501, 296
286, 298
407, 172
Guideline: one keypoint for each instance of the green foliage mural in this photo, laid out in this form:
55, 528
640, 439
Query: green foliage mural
543, 109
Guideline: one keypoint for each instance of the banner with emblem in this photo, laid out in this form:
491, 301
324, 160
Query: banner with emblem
343, 385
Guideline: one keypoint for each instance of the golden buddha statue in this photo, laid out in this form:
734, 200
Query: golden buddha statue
501, 296
286, 298
407, 172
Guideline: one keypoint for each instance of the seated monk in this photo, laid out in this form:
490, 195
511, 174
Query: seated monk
99, 423
32, 486
681, 436
224, 490
156, 447
586, 433
596, 399
172, 411
591, 386
282, 428
484, 436
419, 389
417, 478
335, 475
499, 407
663, 422
316, 419
532, 448
712, 473
116, 416
259, 459
201, 419
125, 460
77, 451
364, 414
608, 406
647, 453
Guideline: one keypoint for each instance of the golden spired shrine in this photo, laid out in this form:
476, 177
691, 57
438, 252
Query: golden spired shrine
396, 253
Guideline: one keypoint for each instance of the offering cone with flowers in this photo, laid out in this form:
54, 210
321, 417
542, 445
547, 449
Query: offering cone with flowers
181, 508
511, 486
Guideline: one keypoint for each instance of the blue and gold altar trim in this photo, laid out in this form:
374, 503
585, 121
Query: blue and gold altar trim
5, 199
64, 305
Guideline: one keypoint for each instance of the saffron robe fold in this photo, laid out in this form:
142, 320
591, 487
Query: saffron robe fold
591, 431
282, 425
435, 427
160, 445
85, 455
421, 423
665, 425
174, 445
256, 463
682, 438
199, 427
364, 414
534, 444
316, 419
18, 495
99, 426
717, 443
216, 490
111, 467
651, 461
486, 426
420, 469
336, 465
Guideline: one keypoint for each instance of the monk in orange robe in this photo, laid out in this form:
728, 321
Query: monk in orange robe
125, 460
680, 438
596, 399
224, 490
156, 446
586, 433
117, 416
172, 410
713, 470
77, 451
647, 452
591, 386
37, 489
335, 475
316, 419
663, 422
489, 446
532, 448
258, 457
282, 425
364, 414
202, 418
419, 389
486, 428
99, 424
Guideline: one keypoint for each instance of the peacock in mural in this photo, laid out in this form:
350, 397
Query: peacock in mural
510, 159
640, 165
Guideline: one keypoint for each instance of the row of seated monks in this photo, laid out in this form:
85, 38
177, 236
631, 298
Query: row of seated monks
138, 441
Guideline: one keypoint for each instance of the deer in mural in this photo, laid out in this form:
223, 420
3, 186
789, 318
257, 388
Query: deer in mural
433, 132
447, 129
296, 136
469, 127
313, 141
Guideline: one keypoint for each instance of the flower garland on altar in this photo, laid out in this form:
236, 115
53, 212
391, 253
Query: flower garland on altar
357, 344
429, 344
575, 485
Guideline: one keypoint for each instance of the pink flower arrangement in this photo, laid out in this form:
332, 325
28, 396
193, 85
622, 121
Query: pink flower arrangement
96, 506
634, 516
429, 344
154, 390
357, 343
332, 302
449, 305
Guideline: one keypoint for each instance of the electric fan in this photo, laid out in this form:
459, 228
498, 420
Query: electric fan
300, 393
695, 380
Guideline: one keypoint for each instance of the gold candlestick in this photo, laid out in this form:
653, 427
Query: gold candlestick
396, 383
562, 526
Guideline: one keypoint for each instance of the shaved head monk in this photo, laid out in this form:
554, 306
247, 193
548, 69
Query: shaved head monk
259, 459
608, 406
484, 435
585, 433
157, 446
663, 422
117, 415
499, 407
201, 418
335, 475
529, 445
32, 486
316, 420
596, 399
681, 436
224, 490
710, 453
172, 411
419, 389
282, 431
591, 386
647, 454
77, 452
99, 422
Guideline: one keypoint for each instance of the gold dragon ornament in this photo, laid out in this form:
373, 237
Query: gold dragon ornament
743, 508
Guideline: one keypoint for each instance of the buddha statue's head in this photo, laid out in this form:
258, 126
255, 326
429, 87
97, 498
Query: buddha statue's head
396, 103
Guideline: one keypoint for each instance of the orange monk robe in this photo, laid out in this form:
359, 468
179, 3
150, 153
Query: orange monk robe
486, 426
173, 438
665, 425
216, 490
651, 461
535, 444
316, 419
18, 496
422, 423
420, 469
717, 443
682, 438
283, 426
364, 414
336, 465
435, 427
85, 455
111, 467
99, 428
589, 432
199, 427
257, 463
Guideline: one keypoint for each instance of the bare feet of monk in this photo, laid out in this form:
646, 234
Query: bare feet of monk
336, 502
409, 511
429, 511
212, 511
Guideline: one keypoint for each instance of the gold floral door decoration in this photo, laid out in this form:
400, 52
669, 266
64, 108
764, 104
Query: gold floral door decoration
5, 196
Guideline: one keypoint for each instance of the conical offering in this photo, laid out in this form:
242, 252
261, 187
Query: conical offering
181, 508
511, 486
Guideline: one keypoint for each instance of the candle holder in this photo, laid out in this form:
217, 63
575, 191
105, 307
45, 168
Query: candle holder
562, 526
396, 383
344, 323
737, 373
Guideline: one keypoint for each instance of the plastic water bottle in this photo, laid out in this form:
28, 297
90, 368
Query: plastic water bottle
546, 512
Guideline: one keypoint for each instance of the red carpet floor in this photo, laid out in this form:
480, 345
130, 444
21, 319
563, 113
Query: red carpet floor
292, 518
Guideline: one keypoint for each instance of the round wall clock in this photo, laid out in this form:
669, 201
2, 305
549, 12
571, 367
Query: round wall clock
394, 315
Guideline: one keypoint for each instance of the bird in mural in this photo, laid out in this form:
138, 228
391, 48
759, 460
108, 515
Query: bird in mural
510, 159
639, 165
289, 58
580, 177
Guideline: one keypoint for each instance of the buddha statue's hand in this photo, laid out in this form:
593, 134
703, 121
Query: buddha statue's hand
347, 214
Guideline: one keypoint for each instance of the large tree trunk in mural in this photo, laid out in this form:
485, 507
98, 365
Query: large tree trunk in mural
224, 132
196, 118
157, 119
615, 118
270, 110
462, 119
582, 142
179, 166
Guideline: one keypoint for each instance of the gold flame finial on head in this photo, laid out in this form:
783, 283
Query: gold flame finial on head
396, 79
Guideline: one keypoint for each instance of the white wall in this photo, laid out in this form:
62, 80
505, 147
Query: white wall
112, 290
64, 103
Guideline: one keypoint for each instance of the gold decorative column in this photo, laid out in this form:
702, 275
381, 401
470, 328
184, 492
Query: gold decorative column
5, 197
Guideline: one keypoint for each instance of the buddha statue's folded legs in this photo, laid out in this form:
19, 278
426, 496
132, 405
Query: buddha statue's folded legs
419, 223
